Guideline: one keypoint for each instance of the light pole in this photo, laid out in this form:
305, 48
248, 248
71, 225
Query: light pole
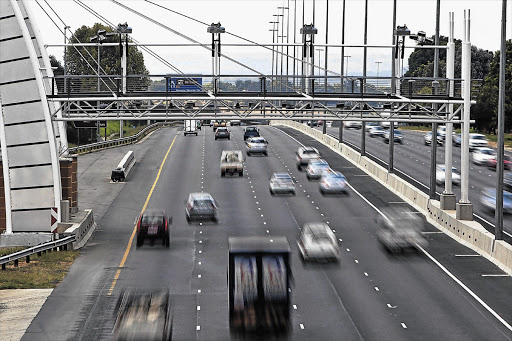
282, 47
278, 54
378, 65
273, 49
319, 52
123, 30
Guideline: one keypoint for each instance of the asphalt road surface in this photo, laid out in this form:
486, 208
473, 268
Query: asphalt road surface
369, 295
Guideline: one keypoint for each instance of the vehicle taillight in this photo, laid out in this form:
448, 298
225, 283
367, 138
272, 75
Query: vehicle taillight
138, 225
166, 224
190, 207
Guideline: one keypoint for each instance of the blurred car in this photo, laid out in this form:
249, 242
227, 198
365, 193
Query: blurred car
200, 206
428, 139
477, 140
400, 229
281, 183
313, 123
397, 134
256, 145
153, 224
488, 199
441, 130
457, 140
317, 242
251, 132
353, 125
316, 168
235, 122
440, 175
370, 125
333, 183
218, 123
377, 131
507, 179
492, 162
222, 133
482, 154
143, 315
306, 154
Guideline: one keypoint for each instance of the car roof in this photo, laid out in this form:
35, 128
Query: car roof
475, 134
334, 174
196, 196
318, 162
309, 148
316, 228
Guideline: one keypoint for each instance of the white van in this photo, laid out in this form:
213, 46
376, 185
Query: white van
190, 127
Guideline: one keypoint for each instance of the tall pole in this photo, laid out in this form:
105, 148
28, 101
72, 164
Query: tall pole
282, 51
326, 42
464, 208
98, 103
498, 230
363, 83
287, 42
342, 50
378, 67
393, 66
302, 70
448, 199
273, 30
294, 41
433, 144
346, 70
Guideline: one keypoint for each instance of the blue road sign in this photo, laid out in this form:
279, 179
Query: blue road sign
186, 84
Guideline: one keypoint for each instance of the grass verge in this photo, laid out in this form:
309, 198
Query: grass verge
43, 272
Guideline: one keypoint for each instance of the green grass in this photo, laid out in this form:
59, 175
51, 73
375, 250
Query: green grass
113, 130
43, 272
4, 251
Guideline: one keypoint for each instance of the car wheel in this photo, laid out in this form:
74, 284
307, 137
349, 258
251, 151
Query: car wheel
222, 174
271, 193
241, 173
188, 218
266, 154
140, 242
167, 241
229, 138
248, 154
299, 167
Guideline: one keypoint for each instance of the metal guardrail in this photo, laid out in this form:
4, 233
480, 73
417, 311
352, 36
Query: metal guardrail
117, 142
38, 249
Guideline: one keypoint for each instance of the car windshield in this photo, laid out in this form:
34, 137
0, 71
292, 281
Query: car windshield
250, 129
203, 203
478, 137
222, 129
282, 177
487, 151
152, 219
309, 151
320, 164
258, 140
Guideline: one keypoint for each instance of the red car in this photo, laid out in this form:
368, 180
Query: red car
506, 162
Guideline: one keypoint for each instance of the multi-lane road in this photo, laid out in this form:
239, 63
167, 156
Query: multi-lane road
446, 292
412, 161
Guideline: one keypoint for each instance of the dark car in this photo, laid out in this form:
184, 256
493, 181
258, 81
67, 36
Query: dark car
152, 225
251, 132
222, 133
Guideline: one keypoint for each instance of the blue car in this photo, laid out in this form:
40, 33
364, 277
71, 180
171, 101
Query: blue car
488, 199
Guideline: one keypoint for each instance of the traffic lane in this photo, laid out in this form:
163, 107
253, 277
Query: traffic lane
416, 165
465, 273
320, 311
81, 295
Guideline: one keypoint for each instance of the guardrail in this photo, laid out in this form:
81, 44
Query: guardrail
56, 245
87, 148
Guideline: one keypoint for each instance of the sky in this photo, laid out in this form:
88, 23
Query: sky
250, 19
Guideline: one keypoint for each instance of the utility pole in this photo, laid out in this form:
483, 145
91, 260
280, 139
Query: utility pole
435, 84
378, 66
363, 83
342, 50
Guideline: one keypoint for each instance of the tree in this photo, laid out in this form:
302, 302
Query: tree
485, 112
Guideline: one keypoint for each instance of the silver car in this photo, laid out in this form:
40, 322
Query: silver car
317, 242
281, 183
256, 145
333, 183
488, 199
316, 168
201, 206
400, 229
483, 154
441, 173
377, 131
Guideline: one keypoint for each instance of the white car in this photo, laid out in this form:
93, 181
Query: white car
477, 140
306, 154
281, 183
316, 169
318, 242
333, 183
440, 175
377, 131
255, 145
370, 125
482, 154
353, 124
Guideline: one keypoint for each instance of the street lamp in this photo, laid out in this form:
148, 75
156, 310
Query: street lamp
378, 65
273, 48
123, 30
346, 69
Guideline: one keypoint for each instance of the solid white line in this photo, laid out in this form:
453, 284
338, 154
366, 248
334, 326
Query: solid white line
496, 275
478, 299
403, 325
471, 255
432, 232
397, 202
301, 326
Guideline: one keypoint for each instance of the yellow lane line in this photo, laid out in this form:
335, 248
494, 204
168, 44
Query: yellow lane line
128, 247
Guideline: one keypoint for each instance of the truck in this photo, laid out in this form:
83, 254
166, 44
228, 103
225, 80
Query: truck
219, 123
259, 277
143, 315
231, 162
190, 127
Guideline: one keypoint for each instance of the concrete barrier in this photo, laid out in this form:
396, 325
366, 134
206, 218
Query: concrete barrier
82, 229
468, 233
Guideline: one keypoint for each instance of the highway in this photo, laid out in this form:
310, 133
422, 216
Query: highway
412, 158
369, 295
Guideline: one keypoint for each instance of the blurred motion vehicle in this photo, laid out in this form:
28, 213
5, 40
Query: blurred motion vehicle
313, 123
377, 131
218, 123
231, 162
353, 125
333, 183
370, 125
143, 315
482, 154
306, 154
477, 140
441, 130
206, 122
222, 133
493, 162
256, 145
400, 229
316, 168
281, 183
507, 179
317, 242
235, 122
428, 139
488, 199
440, 175
259, 274
201, 206
397, 136
457, 140
190, 127
153, 224
251, 132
